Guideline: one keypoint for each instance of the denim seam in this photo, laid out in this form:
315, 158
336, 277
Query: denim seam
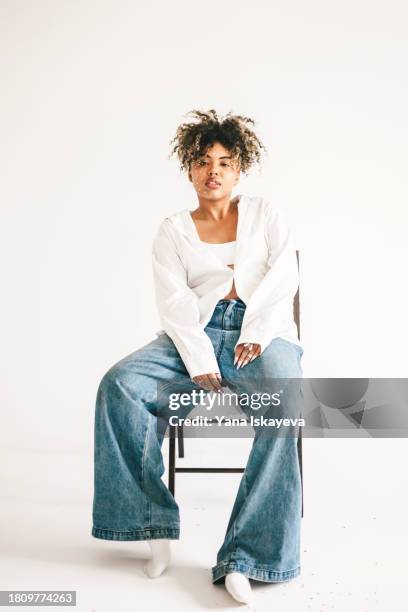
129, 397
234, 539
244, 484
263, 567
230, 314
235, 523
136, 530
145, 445
257, 573
221, 344
136, 534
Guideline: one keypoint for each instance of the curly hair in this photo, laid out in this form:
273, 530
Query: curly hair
192, 140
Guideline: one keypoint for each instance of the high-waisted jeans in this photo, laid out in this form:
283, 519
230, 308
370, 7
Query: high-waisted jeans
131, 501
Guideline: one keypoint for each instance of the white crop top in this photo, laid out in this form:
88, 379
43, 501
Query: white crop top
225, 251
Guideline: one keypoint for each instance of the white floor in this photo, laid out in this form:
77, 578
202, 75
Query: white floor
354, 532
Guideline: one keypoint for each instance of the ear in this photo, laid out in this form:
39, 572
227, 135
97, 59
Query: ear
238, 173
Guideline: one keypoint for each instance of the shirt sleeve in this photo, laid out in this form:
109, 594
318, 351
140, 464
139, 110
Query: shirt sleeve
178, 309
267, 309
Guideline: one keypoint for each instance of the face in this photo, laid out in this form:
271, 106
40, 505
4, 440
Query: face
215, 174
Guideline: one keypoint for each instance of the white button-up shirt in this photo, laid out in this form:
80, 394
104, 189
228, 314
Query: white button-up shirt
189, 280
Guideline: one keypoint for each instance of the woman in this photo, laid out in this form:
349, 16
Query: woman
225, 279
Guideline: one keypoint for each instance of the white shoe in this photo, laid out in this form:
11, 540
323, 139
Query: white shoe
239, 588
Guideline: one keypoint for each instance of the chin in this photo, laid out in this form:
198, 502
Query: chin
214, 193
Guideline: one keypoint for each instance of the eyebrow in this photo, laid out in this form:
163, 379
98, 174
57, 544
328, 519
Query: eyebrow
223, 157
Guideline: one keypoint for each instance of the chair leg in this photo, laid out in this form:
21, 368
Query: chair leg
180, 440
299, 448
172, 458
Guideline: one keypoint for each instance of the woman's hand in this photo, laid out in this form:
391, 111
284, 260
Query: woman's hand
211, 382
245, 353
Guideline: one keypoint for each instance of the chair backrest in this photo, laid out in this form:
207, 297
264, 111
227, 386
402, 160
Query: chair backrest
296, 309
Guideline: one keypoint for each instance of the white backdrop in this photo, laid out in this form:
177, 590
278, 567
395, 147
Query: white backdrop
92, 94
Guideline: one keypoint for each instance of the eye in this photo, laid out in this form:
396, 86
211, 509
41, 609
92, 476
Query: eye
202, 162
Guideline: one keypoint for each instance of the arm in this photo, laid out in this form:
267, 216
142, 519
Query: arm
273, 298
178, 307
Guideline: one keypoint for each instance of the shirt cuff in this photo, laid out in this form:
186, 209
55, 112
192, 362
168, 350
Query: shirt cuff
201, 364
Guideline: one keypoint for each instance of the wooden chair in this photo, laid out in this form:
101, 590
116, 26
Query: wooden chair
176, 431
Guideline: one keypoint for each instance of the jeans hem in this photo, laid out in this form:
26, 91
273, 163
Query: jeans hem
136, 534
262, 574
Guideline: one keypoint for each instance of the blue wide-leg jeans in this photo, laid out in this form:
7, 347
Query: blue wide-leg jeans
131, 501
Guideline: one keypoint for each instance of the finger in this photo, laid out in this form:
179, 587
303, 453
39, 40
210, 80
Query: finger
203, 377
219, 378
241, 351
250, 357
214, 382
247, 360
206, 384
241, 348
244, 355
253, 355
221, 385
201, 382
238, 352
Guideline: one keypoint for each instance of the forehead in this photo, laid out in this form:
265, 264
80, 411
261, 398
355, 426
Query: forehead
216, 150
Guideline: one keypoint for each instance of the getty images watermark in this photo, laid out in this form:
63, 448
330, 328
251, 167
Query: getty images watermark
273, 405
316, 407
253, 401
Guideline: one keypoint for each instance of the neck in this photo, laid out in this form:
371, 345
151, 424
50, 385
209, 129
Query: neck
215, 210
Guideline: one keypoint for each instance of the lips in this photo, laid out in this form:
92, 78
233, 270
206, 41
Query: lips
213, 184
